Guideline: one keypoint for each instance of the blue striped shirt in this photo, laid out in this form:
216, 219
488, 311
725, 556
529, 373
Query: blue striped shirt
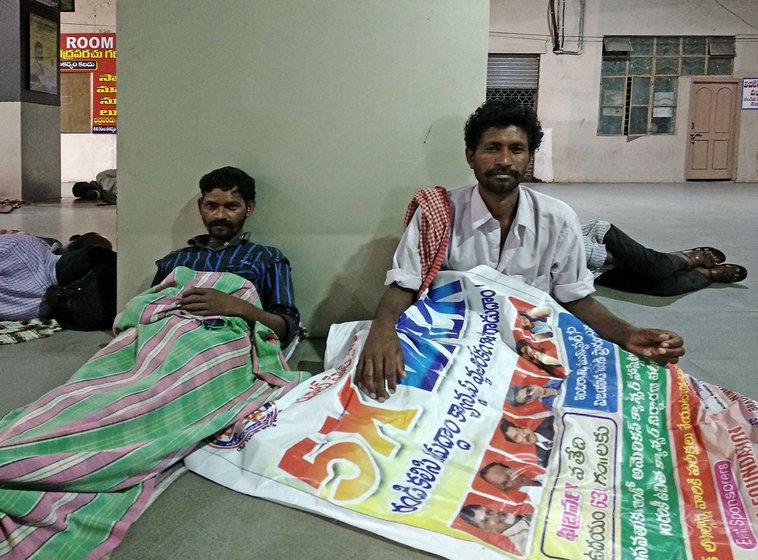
266, 267
27, 270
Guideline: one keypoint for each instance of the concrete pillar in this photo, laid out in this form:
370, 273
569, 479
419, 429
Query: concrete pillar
30, 156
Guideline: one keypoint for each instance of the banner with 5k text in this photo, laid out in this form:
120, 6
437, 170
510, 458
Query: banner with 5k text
518, 433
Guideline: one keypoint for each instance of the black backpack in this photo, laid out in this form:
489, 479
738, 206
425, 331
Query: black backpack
87, 303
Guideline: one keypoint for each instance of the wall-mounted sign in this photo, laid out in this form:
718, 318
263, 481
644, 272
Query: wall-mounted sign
94, 53
750, 93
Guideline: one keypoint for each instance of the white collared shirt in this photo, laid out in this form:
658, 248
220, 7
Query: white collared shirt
518, 534
544, 247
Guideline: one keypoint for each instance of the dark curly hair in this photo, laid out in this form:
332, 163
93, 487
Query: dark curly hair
502, 114
229, 179
89, 239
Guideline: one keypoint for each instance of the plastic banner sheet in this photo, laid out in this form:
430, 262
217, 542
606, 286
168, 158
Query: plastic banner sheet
517, 433
94, 53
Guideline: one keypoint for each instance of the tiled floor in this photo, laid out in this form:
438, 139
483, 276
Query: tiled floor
196, 519
719, 323
63, 218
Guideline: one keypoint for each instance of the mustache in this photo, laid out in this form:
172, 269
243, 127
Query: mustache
503, 171
222, 223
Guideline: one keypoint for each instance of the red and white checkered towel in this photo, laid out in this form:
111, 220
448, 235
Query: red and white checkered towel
435, 230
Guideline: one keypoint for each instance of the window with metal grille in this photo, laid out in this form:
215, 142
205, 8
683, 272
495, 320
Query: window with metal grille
514, 78
523, 96
640, 76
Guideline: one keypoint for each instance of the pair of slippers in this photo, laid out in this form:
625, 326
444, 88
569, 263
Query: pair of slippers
709, 261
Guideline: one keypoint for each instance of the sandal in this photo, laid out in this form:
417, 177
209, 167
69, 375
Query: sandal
703, 257
724, 273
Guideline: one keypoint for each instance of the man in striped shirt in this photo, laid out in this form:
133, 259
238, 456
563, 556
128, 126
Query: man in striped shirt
27, 270
618, 261
28, 267
227, 199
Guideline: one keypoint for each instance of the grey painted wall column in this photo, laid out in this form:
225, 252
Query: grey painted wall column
340, 109
30, 155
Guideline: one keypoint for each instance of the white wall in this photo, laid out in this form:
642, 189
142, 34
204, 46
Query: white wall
340, 109
569, 90
85, 155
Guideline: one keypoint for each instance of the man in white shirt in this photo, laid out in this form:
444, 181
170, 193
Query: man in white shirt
517, 231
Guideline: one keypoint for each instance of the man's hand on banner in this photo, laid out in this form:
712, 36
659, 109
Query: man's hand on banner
663, 347
381, 363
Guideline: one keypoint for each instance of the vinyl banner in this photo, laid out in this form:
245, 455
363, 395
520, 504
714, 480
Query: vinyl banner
94, 53
517, 433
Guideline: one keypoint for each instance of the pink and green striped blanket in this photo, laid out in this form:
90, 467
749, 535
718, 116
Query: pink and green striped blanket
79, 465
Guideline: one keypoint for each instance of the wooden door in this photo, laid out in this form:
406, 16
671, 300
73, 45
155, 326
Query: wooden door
711, 137
76, 115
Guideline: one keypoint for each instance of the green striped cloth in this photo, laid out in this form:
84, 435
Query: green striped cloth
80, 464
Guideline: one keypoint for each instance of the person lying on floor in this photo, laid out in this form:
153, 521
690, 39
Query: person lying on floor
227, 199
103, 188
29, 267
193, 354
500, 223
618, 261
